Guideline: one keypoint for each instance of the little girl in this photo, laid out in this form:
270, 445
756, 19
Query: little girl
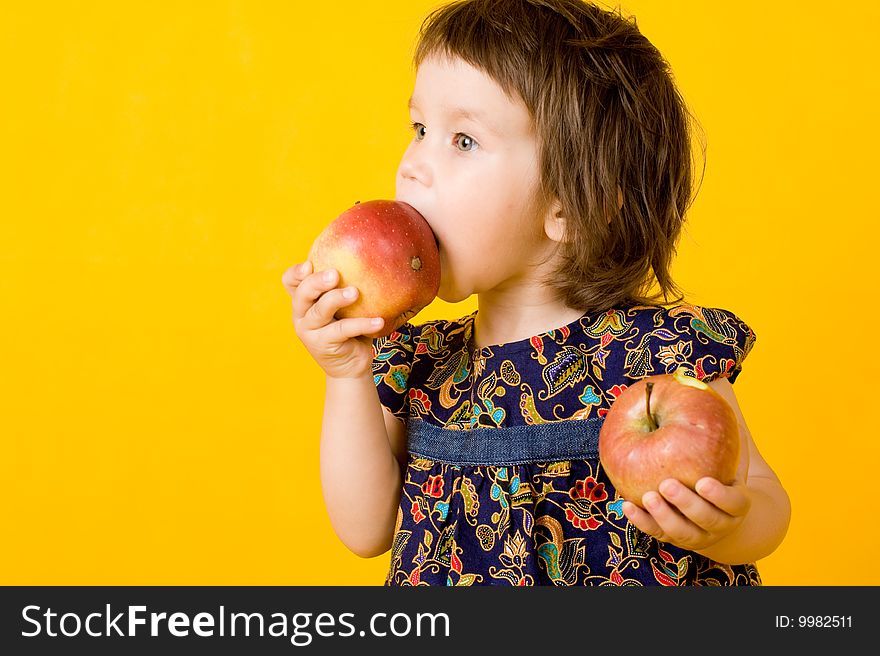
551, 157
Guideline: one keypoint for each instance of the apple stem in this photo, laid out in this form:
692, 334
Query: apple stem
651, 423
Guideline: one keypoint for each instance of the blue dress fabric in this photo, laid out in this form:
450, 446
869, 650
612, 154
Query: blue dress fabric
503, 483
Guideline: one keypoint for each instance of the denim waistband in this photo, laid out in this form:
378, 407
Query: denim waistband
511, 445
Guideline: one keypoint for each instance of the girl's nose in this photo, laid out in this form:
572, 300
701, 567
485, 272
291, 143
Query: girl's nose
414, 167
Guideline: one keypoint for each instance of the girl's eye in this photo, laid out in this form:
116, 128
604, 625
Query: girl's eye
418, 127
466, 141
460, 138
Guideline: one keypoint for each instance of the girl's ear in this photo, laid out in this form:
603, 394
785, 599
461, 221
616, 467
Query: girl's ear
554, 222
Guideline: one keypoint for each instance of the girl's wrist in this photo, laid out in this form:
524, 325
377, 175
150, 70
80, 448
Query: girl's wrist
349, 384
353, 378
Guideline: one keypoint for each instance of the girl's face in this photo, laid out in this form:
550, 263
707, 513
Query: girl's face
472, 171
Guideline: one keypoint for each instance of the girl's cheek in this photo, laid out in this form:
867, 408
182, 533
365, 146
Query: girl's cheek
446, 279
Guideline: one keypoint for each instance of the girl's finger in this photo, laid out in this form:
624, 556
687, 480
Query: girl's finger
323, 311
310, 289
699, 510
675, 526
345, 329
641, 519
295, 275
732, 499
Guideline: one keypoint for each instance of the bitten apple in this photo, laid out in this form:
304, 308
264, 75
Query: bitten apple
388, 251
668, 426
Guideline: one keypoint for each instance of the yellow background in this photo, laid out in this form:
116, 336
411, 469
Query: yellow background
163, 163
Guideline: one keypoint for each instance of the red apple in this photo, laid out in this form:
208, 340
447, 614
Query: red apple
668, 426
388, 251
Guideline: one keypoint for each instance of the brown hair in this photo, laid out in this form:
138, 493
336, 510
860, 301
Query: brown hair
609, 120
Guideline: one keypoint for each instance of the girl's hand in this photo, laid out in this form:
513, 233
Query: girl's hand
691, 519
339, 346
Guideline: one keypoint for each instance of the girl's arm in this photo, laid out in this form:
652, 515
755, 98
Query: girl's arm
361, 458
769, 508
362, 445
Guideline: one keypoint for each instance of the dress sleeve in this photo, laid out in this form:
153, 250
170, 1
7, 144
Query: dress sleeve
392, 362
720, 342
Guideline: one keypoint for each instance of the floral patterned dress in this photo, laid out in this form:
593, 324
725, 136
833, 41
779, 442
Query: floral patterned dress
503, 484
